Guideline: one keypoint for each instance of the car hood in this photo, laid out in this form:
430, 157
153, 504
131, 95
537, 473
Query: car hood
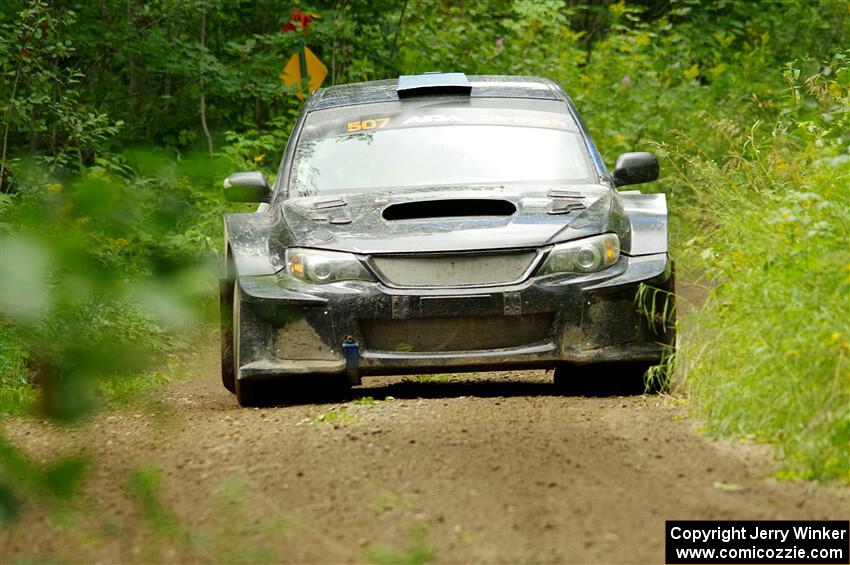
358, 223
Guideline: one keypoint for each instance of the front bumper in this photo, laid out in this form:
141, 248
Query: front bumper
287, 326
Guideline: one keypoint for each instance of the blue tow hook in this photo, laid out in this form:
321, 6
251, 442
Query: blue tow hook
351, 352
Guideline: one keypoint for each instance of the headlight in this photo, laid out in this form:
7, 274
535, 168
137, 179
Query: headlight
583, 256
316, 266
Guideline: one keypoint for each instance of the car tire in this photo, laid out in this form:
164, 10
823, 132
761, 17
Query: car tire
316, 388
225, 304
602, 379
303, 389
249, 393
256, 393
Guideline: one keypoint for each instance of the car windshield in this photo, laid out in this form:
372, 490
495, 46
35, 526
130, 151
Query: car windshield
420, 148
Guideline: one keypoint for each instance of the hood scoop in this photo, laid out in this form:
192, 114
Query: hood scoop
449, 208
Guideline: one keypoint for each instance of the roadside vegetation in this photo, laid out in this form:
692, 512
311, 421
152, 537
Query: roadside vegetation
119, 120
768, 356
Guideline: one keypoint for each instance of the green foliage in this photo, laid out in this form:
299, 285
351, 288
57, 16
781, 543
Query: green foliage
109, 266
434, 378
657, 306
55, 482
339, 416
144, 487
16, 390
770, 357
43, 105
259, 149
102, 274
417, 552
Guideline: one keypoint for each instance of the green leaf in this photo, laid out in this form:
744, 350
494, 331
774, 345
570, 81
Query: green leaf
63, 477
9, 504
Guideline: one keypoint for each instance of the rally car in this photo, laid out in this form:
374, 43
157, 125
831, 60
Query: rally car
441, 223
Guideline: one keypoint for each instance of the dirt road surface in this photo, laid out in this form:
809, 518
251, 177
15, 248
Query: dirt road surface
493, 467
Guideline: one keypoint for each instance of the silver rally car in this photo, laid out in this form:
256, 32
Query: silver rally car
440, 223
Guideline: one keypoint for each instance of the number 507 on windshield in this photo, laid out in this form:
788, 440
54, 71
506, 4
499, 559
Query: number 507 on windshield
366, 124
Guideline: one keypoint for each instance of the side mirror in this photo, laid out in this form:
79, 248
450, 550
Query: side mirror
247, 187
635, 168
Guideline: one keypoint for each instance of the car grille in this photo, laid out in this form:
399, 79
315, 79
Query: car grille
456, 334
453, 269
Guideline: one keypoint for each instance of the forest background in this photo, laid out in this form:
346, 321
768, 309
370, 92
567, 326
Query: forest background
120, 118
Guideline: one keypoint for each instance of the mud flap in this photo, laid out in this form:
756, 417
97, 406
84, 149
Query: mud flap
225, 304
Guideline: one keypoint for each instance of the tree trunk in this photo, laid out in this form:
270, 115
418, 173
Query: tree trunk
6, 131
204, 125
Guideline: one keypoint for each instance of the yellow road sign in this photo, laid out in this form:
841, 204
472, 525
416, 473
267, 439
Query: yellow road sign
316, 70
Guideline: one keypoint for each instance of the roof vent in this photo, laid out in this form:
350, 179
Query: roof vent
433, 83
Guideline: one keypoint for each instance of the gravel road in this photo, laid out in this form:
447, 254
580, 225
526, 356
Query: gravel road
493, 467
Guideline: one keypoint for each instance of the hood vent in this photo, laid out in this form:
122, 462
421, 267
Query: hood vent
451, 208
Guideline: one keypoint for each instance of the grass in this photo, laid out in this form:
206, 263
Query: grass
16, 391
18, 394
435, 378
122, 389
365, 401
144, 488
339, 416
768, 356
417, 551
658, 307
387, 503
232, 536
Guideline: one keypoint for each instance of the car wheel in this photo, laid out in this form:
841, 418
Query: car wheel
602, 379
301, 389
256, 393
316, 388
225, 304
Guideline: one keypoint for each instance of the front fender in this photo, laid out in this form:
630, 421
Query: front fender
246, 238
647, 217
